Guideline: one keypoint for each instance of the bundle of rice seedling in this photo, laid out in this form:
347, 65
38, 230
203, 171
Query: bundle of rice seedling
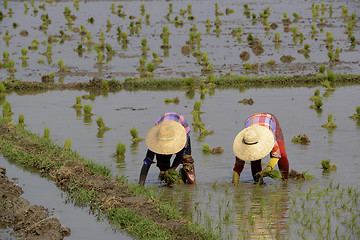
274, 174
169, 177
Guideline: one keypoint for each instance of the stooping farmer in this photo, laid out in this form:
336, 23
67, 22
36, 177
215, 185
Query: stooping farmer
262, 135
170, 135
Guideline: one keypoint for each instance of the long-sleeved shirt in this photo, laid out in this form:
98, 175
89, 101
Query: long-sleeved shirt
270, 121
171, 116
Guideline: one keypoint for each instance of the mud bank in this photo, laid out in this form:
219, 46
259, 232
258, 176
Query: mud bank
27, 221
88, 184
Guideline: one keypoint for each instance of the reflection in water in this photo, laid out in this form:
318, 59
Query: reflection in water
265, 212
134, 146
87, 120
78, 114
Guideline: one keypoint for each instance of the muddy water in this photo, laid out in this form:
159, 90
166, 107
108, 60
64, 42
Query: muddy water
225, 116
39, 191
223, 50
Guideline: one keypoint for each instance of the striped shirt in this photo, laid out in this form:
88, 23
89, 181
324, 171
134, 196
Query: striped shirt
270, 121
173, 116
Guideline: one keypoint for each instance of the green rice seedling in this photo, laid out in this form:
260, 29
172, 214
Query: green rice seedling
2, 90
67, 145
197, 106
318, 104
174, 100
91, 20
87, 110
135, 135
100, 57
331, 56
6, 56
294, 31
48, 50
7, 37
206, 148
357, 114
344, 11
303, 139
190, 82
150, 67
277, 37
21, 122
108, 25
274, 174
101, 124
330, 125
322, 69
165, 44
47, 133
105, 85
203, 89
316, 96
337, 54
296, 16
120, 149
325, 165
11, 66
23, 54
330, 75
156, 60
203, 131
62, 66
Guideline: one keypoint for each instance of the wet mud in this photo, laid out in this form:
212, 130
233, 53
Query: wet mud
26, 221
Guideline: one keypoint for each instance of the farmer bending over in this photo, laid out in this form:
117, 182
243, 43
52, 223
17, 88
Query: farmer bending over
262, 135
170, 135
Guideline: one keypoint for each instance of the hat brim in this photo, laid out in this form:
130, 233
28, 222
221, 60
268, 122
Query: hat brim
168, 146
256, 151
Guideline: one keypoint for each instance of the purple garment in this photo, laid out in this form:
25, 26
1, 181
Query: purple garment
171, 116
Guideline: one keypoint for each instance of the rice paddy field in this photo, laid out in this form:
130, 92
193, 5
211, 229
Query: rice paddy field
77, 41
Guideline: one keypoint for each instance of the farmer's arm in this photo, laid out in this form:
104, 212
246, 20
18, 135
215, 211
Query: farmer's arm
146, 166
186, 151
274, 159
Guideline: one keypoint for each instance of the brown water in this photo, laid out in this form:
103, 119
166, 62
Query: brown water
225, 116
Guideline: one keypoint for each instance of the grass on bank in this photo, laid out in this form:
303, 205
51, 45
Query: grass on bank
231, 81
39, 155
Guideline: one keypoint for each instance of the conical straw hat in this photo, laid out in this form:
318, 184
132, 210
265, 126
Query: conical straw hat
253, 143
167, 137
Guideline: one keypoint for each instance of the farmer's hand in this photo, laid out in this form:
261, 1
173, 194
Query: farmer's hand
263, 172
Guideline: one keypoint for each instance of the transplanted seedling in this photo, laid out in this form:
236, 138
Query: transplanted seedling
21, 122
47, 134
67, 145
303, 139
174, 100
87, 110
63, 69
135, 135
120, 149
330, 125
316, 97
101, 124
357, 114
326, 166
207, 149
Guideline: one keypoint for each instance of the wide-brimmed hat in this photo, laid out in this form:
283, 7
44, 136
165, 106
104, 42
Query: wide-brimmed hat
167, 137
253, 143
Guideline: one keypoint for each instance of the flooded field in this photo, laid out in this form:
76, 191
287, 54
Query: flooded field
329, 203
114, 39
213, 192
